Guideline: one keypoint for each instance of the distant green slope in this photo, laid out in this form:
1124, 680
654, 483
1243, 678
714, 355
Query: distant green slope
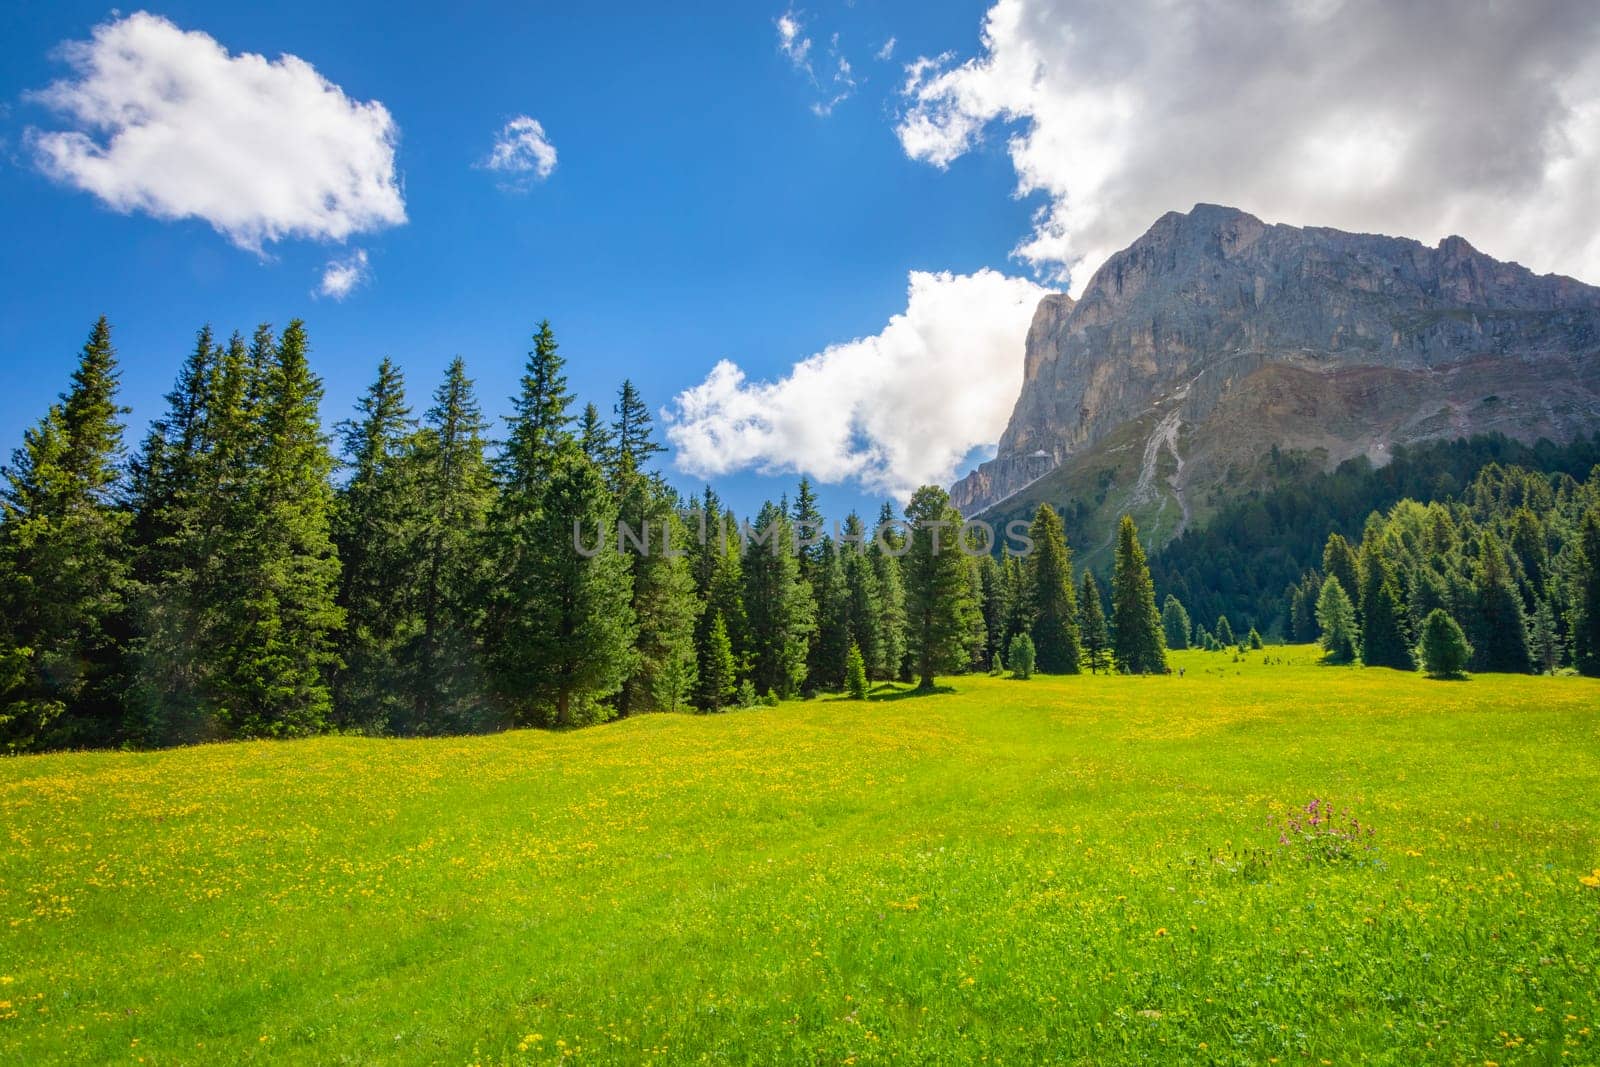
1077, 869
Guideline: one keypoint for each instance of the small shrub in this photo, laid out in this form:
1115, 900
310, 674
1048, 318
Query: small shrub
1021, 656
1255, 638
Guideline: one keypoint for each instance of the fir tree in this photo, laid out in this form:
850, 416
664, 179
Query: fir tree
1336, 618
1092, 625
1052, 599
1443, 649
1138, 647
63, 567
864, 597
939, 605
1339, 561
886, 567
996, 603
1546, 638
1500, 633
715, 681
631, 438
832, 647
1021, 656
1254, 640
1383, 638
594, 437
780, 614
541, 420
806, 521
1224, 632
1175, 624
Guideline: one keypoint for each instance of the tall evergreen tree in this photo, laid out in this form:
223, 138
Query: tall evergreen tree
1138, 646
1545, 638
780, 614
1224, 632
1052, 600
594, 437
831, 649
1339, 561
541, 420
806, 521
1383, 620
631, 437
864, 596
445, 659
378, 534
715, 681
1336, 617
1584, 612
1499, 631
1444, 649
662, 594
886, 568
63, 568
939, 605
996, 603
1175, 624
1092, 625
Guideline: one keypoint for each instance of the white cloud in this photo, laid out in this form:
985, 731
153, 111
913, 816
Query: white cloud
1424, 119
793, 42
522, 150
169, 123
886, 53
841, 86
341, 276
893, 411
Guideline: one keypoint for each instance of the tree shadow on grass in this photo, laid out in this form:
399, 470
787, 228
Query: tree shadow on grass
889, 691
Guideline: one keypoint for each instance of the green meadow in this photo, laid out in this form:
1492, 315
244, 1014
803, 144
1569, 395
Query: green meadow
1088, 869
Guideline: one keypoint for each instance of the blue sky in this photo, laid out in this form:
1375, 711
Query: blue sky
699, 209
811, 251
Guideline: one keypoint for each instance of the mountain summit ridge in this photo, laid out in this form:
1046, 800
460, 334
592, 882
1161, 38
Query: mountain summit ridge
1214, 310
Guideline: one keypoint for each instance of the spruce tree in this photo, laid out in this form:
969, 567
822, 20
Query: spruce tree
1545, 638
1336, 617
540, 423
939, 605
1138, 646
855, 672
1339, 561
886, 567
1584, 612
1254, 640
780, 614
1021, 656
631, 439
715, 682
64, 571
1175, 624
1443, 649
662, 593
1052, 599
567, 631
864, 596
996, 602
594, 437
806, 520
831, 649
378, 534
1224, 632
1499, 631
278, 634
1092, 625
445, 660
1383, 637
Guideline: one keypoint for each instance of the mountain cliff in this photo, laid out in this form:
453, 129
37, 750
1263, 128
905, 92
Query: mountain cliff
1215, 338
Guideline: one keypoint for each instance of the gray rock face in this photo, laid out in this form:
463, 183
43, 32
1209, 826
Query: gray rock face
1201, 302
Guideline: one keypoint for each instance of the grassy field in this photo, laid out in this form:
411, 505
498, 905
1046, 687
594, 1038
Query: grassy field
1079, 870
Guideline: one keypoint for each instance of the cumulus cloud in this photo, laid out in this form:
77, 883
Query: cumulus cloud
167, 122
1425, 119
792, 41
522, 151
341, 276
891, 412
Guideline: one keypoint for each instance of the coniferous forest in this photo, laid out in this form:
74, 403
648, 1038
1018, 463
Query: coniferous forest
242, 573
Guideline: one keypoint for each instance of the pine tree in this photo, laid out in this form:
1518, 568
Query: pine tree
1175, 624
1052, 599
865, 598
996, 604
715, 682
1336, 617
855, 673
1584, 613
780, 614
1339, 561
1138, 647
63, 567
1500, 633
445, 660
1224, 632
594, 437
831, 650
1444, 649
1383, 637
662, 592
806, 521
1092, 625
378, 534
566, 634
1305, 608
540, 422
939, 605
